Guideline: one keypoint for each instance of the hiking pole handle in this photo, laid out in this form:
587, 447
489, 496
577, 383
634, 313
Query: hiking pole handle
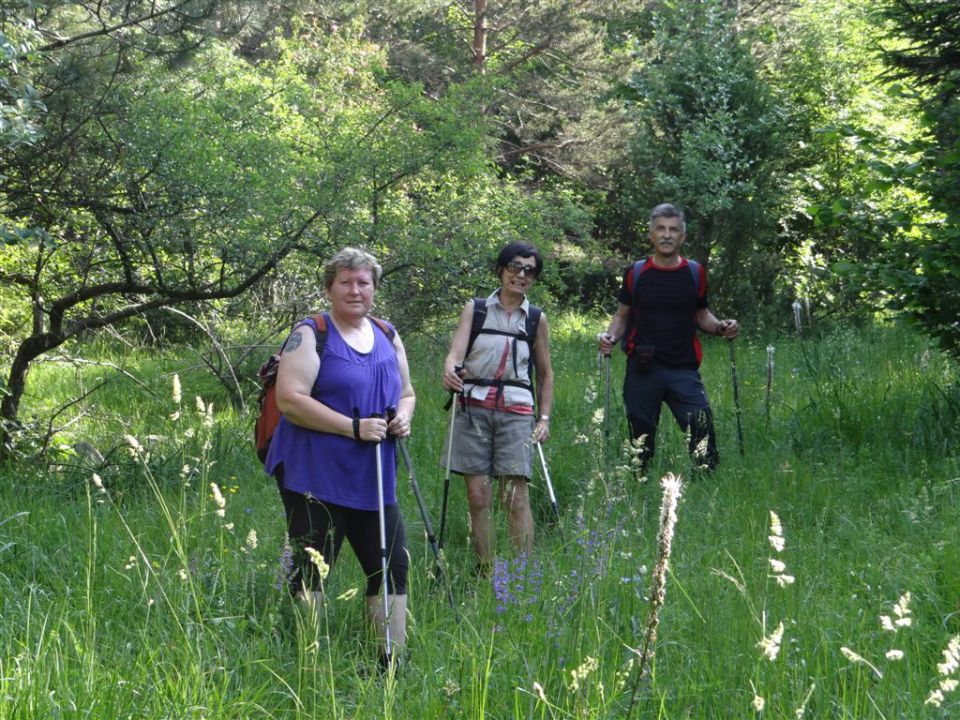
378, 416
605, 338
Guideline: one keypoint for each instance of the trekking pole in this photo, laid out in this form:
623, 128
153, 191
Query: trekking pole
736, 395
446, 479
606, 415
553, 497
424, 515
383, 547
606, 402
766, 404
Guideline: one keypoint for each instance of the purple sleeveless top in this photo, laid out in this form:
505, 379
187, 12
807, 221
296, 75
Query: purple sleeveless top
334, 468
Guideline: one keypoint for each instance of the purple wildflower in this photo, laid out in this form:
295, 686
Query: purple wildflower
516, 582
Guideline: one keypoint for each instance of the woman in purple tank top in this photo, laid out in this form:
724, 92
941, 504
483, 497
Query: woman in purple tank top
324, 450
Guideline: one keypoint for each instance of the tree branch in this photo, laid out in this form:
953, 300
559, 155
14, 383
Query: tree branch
217, 346
107, 30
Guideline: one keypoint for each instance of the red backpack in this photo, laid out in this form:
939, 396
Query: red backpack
269, 415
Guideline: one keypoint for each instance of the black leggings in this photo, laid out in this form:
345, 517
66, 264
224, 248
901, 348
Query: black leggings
323, 526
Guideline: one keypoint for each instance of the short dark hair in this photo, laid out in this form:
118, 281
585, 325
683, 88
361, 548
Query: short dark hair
518, 249
668, 210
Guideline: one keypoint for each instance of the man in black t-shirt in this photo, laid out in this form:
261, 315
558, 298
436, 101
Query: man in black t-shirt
663, 301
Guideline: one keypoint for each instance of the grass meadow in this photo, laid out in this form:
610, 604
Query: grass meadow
817, 575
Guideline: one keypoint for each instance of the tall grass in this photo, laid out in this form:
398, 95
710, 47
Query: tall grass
146, 598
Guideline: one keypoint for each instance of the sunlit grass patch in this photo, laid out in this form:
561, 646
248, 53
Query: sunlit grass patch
133, 587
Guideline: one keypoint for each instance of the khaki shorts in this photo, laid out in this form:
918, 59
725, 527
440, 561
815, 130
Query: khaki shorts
491, 442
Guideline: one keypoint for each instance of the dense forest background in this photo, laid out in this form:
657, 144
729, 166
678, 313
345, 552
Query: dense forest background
178, 169
173, 173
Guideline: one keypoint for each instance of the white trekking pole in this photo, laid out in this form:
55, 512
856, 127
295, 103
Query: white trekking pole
546, 477
383, 549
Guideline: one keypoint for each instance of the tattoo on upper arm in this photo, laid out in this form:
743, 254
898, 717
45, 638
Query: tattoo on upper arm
293, 342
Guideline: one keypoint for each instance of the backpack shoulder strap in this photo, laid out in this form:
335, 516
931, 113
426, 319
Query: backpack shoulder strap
533, 324
479, 317
634, 277
633, 280
385, 327
697, 272
320, 327
321, 330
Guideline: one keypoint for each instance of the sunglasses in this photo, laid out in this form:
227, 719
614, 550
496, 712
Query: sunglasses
518, 268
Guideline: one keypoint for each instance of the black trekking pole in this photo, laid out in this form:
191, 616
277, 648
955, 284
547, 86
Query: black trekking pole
736, 395
606, 402
424, 515
446, 479
606, 415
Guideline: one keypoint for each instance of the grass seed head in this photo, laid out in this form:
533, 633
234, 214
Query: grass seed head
317, 559
951, 658
538, 691
578, 674
776, 528
218, 499
770, 644
784, 580
135, 447
858, 659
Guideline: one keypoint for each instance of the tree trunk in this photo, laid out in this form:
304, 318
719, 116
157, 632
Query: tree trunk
30, 349
480, 35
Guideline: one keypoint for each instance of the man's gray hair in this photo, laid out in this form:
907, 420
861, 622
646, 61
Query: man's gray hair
668, 210
351, 259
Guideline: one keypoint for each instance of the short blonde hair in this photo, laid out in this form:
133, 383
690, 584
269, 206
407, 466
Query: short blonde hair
351, 259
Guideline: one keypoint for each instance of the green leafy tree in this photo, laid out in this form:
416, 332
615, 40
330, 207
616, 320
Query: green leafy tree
706, 137
20, 106
841, 200
547, 71
190, 184
925, 53
537, 77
